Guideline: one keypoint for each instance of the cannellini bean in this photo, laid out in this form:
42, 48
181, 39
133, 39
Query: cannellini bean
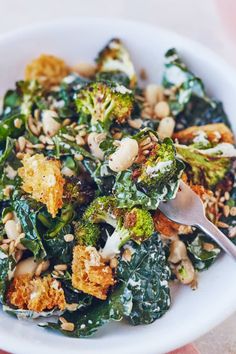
94, 140
27, 266
124, 156
66, 171
50, 124
185, 272
12, 229
154, 93
166, 127
177, 251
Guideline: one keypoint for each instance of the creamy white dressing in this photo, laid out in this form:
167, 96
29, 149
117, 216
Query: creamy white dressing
121, 89
201, 138
175, 75
160, 167
223, 149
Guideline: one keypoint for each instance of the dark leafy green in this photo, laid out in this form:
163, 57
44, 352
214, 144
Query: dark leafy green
201, 258
26, 210
117, 305
7, 264
146, 276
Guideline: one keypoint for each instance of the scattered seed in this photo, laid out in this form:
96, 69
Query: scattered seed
66, 122
227, 195
113, 263
232, 232
208, 246
38, 146
127, 255
153, 137
18, 255
29, 151
78, 157
145, 141
68, 137
4, 247
72, 307
48, 140
34, 129
7, 190
148, 146
8, 216
79, 140
38, 270
6, 240
20, 155
21, 143
68, 326
146, 152
222, 225
69, 237
49, 147
43, 139
62, 319
233, 211
17, 123
60, 267
117, 135
135, 123
82, 133
11, 247
226, 210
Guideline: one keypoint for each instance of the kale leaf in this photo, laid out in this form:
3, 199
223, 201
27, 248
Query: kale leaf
26, 210
146, 276
7, 264
117, 305
201, 258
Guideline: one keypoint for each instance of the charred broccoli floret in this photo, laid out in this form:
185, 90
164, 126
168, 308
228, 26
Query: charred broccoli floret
137, 225
102, 210
115, 59
77, 190
86, 233
105, 102
208, 166
159, 166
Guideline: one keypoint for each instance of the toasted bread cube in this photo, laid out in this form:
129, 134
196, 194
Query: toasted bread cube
216, 133
42, 178
89, 272
38, 294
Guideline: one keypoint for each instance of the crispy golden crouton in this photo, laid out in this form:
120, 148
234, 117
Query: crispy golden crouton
216, 133
38, 294
89, 273
165, 226
48, 70
43, 180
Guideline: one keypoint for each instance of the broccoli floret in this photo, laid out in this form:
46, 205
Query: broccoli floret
137, 225
77, 190
160, 165
102, 210
86, 233
208, 166
115, 59
105, 102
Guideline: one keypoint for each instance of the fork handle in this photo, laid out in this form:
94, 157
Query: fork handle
211, 230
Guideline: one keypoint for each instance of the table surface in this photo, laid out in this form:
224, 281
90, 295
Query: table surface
180, 16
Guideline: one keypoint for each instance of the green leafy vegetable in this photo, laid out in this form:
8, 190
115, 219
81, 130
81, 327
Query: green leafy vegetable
7, 263
146, 276
26, 210
117, 305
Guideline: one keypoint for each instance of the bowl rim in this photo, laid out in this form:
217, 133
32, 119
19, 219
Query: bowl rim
217, 61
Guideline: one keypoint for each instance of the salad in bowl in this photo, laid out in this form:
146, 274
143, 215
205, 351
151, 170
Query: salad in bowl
87, 154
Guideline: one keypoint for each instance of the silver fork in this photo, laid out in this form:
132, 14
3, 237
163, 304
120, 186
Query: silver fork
187, 209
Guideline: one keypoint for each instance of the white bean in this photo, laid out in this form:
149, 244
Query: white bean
94, 140
50, 125
162, 109
177, 251
27, 266
124, 156
12, 229
166, 127
185, 272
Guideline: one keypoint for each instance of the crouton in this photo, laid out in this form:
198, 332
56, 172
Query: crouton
42, 178
38, 294
48, 70
89, 272
215, 133
165, 226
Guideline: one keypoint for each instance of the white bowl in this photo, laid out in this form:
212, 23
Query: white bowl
192, 312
